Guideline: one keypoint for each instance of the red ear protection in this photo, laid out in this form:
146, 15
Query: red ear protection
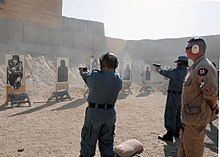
195, 49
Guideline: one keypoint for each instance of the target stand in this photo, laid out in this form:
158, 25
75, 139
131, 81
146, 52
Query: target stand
126, 84
16, 96
146, 88
61, 92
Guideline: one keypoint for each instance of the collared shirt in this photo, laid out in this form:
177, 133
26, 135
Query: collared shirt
200, 84
104, 87
176, 76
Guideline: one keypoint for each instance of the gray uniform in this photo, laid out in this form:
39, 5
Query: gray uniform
100, 116
173, 102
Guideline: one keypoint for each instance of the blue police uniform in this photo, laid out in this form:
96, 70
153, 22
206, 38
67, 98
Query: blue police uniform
100, 116
173, 103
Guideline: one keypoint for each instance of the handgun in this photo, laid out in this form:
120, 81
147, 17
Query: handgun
157, 65
83, 68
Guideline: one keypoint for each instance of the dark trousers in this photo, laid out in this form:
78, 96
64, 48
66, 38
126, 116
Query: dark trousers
172, 112
99, 125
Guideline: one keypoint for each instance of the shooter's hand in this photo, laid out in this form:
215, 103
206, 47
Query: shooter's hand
81, 70
157, 69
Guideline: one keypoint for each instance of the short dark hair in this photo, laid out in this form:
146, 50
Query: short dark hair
110, 60
199, 41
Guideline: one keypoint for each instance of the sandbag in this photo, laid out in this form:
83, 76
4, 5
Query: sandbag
129, 148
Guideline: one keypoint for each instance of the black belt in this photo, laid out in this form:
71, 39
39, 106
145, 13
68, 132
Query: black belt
102, 106
174, 92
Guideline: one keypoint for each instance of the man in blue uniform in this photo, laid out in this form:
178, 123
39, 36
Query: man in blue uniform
100, 116
173, 103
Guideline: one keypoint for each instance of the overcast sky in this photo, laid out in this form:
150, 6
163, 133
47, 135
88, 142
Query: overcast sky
148, 19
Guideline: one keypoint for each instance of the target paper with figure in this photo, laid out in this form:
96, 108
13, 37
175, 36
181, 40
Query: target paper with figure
16, 80
147, 73
62, 80
94, 63
15, 65
125, 72
146, 80
62, 73
62, 69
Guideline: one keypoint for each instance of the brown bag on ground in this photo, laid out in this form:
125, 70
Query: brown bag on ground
129, 148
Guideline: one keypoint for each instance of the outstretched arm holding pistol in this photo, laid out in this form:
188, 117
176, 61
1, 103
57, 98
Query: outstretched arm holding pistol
157, 66
83, 70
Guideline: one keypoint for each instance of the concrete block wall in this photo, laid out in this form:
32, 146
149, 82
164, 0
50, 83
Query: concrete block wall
74, 35
77, 25
85, 34
46, 13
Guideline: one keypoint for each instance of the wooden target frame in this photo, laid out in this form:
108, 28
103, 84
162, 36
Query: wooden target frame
62, 81
16, 95
126, 78
94, 64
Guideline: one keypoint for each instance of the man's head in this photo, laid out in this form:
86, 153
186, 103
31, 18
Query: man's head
109, 60
15, 57
195, 48
182, 61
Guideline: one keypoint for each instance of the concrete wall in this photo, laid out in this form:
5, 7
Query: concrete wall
46, 13
72, 37
164, 51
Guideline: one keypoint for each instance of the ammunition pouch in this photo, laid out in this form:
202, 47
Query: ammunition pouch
193, 109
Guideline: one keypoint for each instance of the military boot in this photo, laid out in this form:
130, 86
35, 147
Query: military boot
167, 137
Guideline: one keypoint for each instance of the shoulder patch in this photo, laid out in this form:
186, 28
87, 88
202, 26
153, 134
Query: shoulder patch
202, 72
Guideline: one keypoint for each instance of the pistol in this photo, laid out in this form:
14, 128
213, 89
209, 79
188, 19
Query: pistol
156, 64
83, 68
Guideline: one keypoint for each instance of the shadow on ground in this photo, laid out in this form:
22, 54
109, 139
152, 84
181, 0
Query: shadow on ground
73, 104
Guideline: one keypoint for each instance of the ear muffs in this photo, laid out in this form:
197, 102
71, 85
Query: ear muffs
110, 58
195, 49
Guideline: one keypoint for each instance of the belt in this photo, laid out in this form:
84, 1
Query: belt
102, 106
174, 92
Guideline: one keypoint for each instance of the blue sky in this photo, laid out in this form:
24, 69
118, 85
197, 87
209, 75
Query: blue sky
146, 19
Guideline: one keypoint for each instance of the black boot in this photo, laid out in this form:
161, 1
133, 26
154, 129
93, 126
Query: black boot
167, 137
176, 133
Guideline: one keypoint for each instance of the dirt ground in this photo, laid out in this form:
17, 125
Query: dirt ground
52, 129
